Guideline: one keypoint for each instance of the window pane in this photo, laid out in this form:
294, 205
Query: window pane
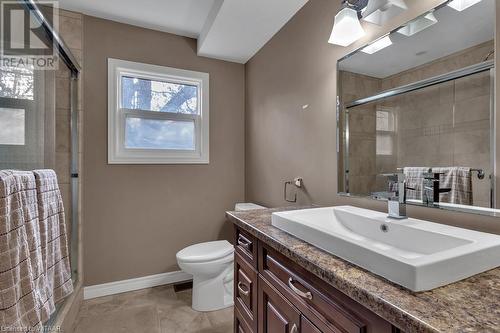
159, 96
384, 144
159, 134
385, 121
12, 126
16, 83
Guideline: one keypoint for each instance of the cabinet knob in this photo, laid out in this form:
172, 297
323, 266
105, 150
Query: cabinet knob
243, 289
294, 329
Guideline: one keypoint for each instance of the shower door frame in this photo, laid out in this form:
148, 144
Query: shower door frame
69, 59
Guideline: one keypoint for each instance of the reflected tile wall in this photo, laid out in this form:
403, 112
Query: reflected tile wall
448, 125
362, 128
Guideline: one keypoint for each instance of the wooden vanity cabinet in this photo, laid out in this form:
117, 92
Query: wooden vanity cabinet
274, 295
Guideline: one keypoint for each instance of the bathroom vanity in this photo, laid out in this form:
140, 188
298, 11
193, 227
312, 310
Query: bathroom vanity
283, 284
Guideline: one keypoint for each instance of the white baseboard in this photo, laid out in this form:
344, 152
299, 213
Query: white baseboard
150, 281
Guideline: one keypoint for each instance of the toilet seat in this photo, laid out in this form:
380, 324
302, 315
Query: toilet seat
206, 252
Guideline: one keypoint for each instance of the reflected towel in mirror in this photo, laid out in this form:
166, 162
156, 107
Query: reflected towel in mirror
459, 179
414, 177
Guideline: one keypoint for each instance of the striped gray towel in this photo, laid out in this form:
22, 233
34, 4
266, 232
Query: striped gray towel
34, 263
414, 177
55, 251
23, 284
459, 179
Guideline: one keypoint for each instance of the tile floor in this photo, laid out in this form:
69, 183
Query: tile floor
154, 310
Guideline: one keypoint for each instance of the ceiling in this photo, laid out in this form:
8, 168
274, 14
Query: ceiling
232, 30
455, 31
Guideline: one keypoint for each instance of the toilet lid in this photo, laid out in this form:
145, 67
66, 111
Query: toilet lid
205, 251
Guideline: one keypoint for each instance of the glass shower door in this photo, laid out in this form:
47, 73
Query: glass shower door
39, 129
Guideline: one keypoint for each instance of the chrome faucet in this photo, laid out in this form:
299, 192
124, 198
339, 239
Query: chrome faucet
396, 200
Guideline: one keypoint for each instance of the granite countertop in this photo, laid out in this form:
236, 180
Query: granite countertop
470, 305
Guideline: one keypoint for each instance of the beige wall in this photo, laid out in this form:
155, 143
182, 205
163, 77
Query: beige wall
138, 216
283, 140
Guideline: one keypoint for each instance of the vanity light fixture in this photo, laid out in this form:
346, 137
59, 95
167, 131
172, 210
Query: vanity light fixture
380, 11
462, 4
378, 45
346, 27
418, 24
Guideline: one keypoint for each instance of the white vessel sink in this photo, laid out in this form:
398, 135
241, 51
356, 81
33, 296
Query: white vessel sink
415, 254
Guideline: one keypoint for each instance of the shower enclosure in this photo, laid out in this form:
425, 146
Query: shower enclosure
38, 110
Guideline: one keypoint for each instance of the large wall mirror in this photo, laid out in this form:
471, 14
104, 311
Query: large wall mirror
420, 101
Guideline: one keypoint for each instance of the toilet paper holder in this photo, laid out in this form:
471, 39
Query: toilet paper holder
298, 182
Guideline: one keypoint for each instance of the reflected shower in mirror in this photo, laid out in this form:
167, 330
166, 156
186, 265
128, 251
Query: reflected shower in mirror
416, 103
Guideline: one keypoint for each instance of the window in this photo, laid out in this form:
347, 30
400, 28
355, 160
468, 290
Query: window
16, 94
157, 115
12, 126
22, 118
386, 128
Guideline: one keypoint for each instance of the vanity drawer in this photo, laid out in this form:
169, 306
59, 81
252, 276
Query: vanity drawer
245, 290
246, 246
240, 325
314, 303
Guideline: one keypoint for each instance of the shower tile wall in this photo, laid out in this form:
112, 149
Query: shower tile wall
444, 125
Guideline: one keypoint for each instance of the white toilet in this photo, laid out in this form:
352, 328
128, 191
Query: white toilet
211, 265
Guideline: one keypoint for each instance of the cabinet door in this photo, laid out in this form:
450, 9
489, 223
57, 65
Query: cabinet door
240, 324
245, 290
276, 314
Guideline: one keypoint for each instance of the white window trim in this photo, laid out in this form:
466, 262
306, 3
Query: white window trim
117, 153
